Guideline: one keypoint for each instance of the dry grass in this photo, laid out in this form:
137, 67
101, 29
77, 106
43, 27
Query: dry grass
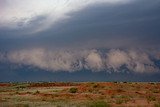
104, 94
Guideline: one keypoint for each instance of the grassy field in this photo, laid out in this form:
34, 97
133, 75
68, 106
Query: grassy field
87, 94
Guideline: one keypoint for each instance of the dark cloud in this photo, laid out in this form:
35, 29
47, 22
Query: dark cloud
98, 26
112, 26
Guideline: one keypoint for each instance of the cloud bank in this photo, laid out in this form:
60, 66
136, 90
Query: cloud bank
75, 35
113, 60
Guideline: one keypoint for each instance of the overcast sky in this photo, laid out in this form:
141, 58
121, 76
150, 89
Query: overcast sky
73, 35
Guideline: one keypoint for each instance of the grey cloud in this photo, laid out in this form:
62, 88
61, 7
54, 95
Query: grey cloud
94, 60
45, 59
17, 14
134, 24
134, 61
86, 33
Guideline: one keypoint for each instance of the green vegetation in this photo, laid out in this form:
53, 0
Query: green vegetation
151, 98
155, 91
95, 94
99, 104
37, 92
157, 104
73, 90
119, 101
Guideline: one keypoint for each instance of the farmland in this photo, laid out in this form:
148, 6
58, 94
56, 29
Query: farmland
80, 94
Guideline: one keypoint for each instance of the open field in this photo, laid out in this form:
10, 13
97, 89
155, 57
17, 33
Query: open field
87, 94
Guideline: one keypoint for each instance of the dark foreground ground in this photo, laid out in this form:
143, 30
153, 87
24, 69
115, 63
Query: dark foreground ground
86, 94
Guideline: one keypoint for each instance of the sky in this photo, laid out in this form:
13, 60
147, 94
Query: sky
81, 40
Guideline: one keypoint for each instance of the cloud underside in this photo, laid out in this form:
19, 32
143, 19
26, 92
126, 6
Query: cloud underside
113, 60
20, 14
74, 35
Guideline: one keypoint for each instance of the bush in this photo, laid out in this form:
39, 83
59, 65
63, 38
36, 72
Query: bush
99, 104
120, 90
37, 92
17, 92
96, 85
119, 101
73, 90
157, 104
155, 91
151, 98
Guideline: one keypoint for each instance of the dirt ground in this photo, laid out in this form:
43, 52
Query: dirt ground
86, 94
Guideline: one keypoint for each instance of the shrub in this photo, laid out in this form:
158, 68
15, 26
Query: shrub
115, 82
151, 98
22, 105
120, 90
73, 90
17, 92
28, 92
157, 105
119, 101
26, 105
155, 91
95, 85
99, 104
37, 92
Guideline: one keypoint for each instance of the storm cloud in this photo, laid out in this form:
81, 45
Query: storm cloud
87, 24
75, 35
95, 60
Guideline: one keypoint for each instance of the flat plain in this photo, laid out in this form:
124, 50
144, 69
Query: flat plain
80, 94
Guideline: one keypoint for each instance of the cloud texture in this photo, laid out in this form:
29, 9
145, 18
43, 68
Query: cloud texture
78, 35
21, 14
114, 60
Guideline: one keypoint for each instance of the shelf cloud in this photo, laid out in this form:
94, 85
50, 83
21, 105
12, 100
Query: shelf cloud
94, 60
114, 36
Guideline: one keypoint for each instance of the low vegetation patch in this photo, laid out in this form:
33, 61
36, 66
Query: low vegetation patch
151, 98
99, 104
73, 90
157, 104
85, 94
